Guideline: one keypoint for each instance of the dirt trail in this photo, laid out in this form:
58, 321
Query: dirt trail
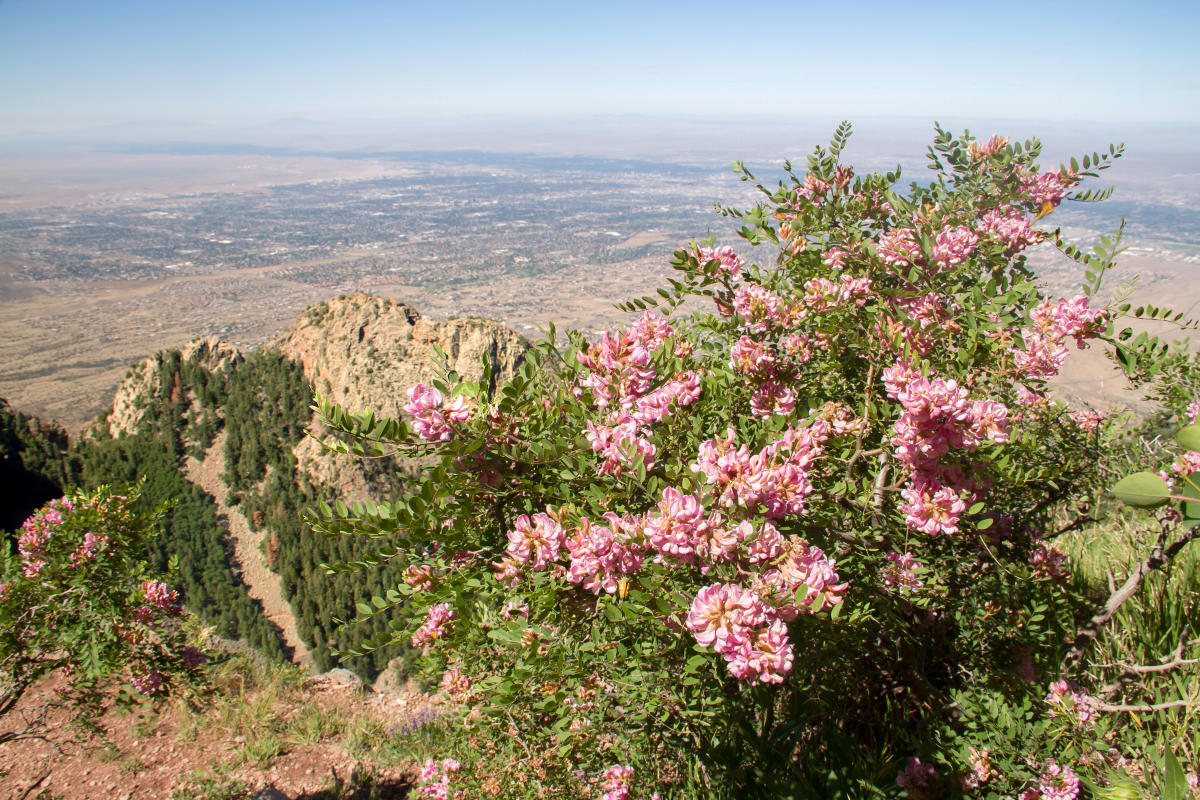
263, 584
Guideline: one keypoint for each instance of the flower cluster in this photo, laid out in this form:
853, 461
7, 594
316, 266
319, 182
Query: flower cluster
899, 248
432, 417
916, 778
727, 261
1056, 782
938, 416
1065, 702
616, 782
435, 626
1044, 349
620, 374
456, 684
435, 778
981, 769
602, 554
1011, 227
743, 629
147, 683
1049, 562
1047, 188
903, 572
774, 480
953, 245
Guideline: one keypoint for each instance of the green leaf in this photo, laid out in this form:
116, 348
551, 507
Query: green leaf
1189, 437
1142, 490
1191, 488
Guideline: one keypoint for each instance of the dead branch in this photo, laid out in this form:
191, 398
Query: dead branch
1130, 672
1160, 556
1143, 709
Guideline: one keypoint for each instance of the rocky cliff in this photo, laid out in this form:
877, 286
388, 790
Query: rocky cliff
364, 352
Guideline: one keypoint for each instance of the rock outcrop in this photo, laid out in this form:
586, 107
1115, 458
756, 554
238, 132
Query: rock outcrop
365, 352
142, 384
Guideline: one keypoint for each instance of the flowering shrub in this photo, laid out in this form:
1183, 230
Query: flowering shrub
763, 548
76, 601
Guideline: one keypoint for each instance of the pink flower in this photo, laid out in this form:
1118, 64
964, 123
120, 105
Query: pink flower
727, 262
1010, 227
771, 399
903, 572
435, 777
537, 542
953, 245
722, 611
149, 683
931, 508
616, 782
1049, 563
432, 416
916, 777
759, 307
1066, 702
456, 684
602, 555
1057, 782
899, 248
435, 626
981, 771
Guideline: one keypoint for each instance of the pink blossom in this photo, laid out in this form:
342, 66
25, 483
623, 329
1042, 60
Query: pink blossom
435, 777
602, 555
514, 608
1066, 702
728, 262
616, 782
916, 778
1049, 187
1057, 782
770, 398
899, 248
931, 508
803, 566
766, 546
535, 543
759, 307
752, 357
722, 611
419, 577
679, 392
435, 626
1049, 563
149, 683
903, 572
88, 548
432, 417
622, 446
981, 770
1009, 226
456, 684
822, 294
953, 245
1193, 412
1186, 463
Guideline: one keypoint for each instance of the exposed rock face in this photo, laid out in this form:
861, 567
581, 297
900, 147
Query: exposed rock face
365, 352
141, 384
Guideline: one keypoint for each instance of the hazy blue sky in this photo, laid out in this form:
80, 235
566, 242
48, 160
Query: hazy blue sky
66, 63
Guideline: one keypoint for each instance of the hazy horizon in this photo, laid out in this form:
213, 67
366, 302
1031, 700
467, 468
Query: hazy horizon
67, 64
